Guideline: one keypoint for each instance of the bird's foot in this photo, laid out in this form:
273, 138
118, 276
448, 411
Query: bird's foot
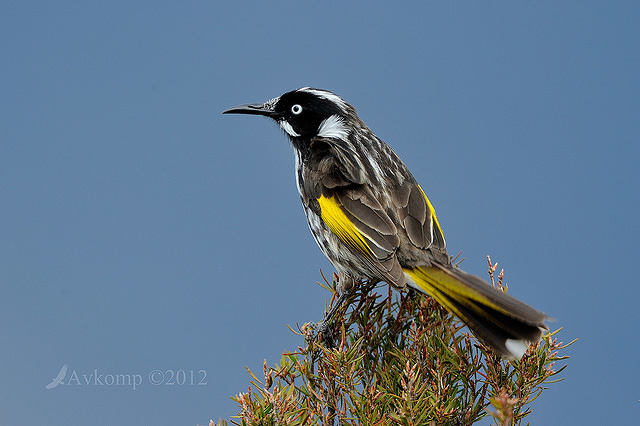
323, 327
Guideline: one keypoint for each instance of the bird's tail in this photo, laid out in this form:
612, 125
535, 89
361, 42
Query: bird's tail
501, 321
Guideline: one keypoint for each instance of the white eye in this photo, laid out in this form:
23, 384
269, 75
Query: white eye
296, 109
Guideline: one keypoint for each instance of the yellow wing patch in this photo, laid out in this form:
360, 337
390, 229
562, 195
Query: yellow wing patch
433, 214
335, 218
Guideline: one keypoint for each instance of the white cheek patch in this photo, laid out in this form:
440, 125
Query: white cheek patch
284, 124
333, 127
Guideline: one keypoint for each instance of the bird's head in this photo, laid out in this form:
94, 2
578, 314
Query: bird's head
305, 113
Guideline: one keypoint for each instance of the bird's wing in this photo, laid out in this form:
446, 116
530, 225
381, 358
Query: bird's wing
349, 208
418, 218
358, 219
414, 210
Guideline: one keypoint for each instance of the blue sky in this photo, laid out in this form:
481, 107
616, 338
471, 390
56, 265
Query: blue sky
142, 231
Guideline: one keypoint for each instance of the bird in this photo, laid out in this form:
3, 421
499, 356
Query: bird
374, 222
58, 379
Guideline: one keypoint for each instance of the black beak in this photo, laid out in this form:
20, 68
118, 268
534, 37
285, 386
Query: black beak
252, 109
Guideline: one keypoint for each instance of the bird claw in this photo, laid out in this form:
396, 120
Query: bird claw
323, 327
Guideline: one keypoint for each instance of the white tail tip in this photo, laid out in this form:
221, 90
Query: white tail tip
516, 348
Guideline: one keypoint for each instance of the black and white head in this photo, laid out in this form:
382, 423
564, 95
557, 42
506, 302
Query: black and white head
305, 113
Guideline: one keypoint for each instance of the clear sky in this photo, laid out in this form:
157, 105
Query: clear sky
145, 234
